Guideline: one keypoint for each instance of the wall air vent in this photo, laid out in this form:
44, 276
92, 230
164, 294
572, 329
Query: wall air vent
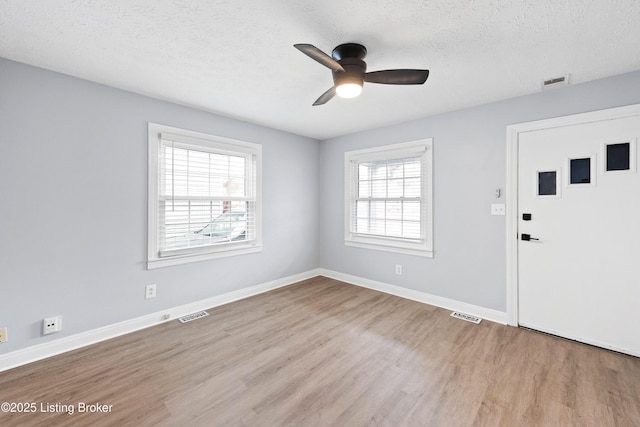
193, 316
555, 81
467, 317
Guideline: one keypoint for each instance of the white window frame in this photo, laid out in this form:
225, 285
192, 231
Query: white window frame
422, 148
154, 258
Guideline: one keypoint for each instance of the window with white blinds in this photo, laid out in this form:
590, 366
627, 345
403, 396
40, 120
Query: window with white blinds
389, 198
203, 196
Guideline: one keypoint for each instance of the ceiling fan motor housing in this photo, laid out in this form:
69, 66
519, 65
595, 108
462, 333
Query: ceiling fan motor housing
349, 50
350, 56
354, 70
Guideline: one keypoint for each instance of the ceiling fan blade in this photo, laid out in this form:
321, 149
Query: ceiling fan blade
325, 97
397, 77
316, 54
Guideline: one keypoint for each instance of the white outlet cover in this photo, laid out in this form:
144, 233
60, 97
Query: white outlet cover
51, 325
150, 291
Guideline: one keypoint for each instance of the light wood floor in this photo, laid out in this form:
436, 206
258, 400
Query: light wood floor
324, 353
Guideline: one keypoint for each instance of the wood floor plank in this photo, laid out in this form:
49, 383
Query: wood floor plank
325, 353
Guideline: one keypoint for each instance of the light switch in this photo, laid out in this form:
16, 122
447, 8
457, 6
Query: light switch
498, 209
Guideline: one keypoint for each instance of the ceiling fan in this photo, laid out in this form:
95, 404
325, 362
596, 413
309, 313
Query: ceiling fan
349, 71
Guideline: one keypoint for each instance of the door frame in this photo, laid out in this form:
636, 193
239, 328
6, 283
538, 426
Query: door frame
513, 136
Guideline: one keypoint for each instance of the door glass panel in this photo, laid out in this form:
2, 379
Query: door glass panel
547, 183
580, 171
618, 156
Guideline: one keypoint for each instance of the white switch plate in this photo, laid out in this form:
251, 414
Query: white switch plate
498, 209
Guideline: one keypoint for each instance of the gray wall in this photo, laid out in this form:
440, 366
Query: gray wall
73, 206
469, 165
73, 191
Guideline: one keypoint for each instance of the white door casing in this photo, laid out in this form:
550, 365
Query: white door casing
581, 280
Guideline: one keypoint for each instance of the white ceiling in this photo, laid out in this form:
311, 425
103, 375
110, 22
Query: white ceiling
236, 57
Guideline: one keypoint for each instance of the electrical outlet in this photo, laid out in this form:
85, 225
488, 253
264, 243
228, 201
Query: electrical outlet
3, 335
51, 325
399, 269
150, 291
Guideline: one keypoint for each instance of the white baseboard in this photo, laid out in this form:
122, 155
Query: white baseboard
449, 304
52, 348
43, 351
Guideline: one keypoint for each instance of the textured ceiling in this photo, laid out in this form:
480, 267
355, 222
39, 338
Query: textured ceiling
236, 58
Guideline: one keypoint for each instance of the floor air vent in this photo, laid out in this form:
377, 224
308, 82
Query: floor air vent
193, 316
467, 317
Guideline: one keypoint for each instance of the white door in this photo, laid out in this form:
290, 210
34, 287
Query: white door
579, 232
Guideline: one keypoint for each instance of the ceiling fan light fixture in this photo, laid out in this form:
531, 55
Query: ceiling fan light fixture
348, 84
348, 90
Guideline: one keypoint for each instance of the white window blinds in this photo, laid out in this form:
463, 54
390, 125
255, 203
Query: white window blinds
388, 200
206, 196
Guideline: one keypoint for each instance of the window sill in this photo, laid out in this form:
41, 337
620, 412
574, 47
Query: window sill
185, 259
381, 247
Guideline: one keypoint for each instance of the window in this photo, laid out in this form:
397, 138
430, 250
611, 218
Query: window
204, 196
619, 157
389, 198
580, 171
547, 183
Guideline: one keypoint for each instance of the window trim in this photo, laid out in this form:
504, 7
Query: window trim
153, 212
390, 152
